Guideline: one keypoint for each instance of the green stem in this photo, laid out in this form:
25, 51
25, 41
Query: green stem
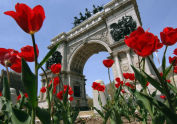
164, 60
48, 96
112, 84
174, 78
61, 83
36, 82
8, 75
143, 63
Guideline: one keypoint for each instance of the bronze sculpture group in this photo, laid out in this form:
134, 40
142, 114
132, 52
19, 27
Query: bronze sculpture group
124, 27
87, 15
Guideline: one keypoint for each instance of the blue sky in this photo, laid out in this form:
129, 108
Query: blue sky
155, 14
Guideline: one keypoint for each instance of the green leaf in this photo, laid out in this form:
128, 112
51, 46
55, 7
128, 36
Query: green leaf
164, 60
167, 70
172, 87
43, 115
50, 92
65, 96
115, 117
21, 100
20, 117
158, 119
48, 55
146, 102
170, 115
140, 77
154, 82
116, 96
163, 64
75, 114
6, 89
99, 112
107, 115
29, 80
154, 93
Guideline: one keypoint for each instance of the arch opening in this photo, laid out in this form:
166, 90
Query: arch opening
86, 58
83, 54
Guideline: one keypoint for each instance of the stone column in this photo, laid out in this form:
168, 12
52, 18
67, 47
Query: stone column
129, 59
117, 63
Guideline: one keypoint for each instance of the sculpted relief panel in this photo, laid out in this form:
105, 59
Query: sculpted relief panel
123, 62
102, 36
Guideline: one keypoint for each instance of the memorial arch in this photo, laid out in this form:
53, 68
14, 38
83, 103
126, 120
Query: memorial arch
93, 36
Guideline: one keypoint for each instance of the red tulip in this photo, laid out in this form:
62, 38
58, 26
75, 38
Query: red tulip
11, 58
30, 20
173, 60
54, 89
175, 69
56, 68
143, 43
123, 91
50, 83
130, 85
60, 95
26, 95
162, 97
8, 56
56, 81
19, 97
169, 36
117, 85
3, 51
119, 82
108, 62
169, 81
27, 52
95, 85
101, 88
175, 51
132, 76
126, 76
17, 67
98, 86
118, 79
43, 90
70, 92
0, 93
147, 84
71, 98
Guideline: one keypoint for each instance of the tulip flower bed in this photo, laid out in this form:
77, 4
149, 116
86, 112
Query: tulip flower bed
140, 104
128, 101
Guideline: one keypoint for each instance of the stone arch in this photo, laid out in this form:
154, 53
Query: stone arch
83, 52
90, 37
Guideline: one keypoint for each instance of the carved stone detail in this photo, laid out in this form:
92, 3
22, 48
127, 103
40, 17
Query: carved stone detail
125, 67
100, 36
